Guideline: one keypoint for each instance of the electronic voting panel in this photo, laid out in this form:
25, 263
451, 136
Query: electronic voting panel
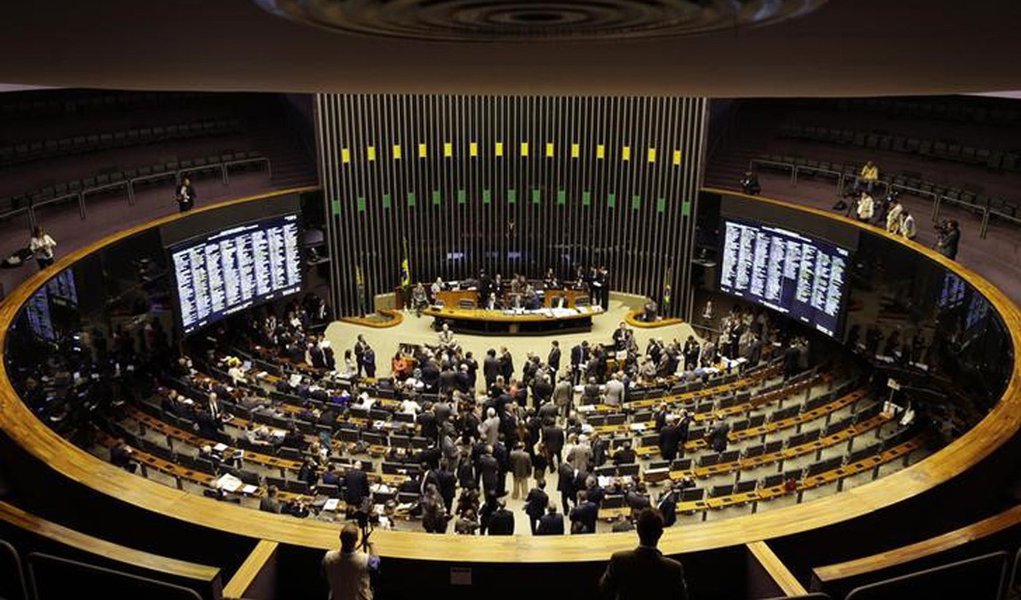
791, 273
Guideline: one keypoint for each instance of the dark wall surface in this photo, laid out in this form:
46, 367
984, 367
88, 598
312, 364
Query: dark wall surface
511, 185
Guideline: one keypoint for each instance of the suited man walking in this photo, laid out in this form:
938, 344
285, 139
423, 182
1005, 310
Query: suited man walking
536, 504
553, 359
644, 572
490, 368
356, 484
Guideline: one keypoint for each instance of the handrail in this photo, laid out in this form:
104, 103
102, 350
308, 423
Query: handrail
999, 426
774, 567
263, 554
102, 548
34, 557
129, 184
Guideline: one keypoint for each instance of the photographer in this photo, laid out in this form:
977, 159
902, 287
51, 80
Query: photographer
349, 570
948, 237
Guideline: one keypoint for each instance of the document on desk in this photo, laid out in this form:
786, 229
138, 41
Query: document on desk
228, 483
220, 447
331, 504
249, 489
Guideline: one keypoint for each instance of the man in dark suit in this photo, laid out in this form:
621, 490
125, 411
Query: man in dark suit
553, 359
356, 482
553, 439
551, 523
269, 502
565, 484
668, 506
490, 368
489, 471
718, 436
579, 357
668, 438
584, 514
644, 572
502, 521
535, 504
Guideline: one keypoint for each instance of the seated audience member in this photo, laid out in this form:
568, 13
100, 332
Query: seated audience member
467, 523
625, 454
867, 178
866, 208
120, 455
907, 225
269, 502
750, 184
349, 570
644, 572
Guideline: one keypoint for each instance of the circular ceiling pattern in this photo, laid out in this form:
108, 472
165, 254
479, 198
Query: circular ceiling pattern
524, 21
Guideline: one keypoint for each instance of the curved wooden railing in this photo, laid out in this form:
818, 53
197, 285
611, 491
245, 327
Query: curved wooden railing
996, 429
394, 318
634, 319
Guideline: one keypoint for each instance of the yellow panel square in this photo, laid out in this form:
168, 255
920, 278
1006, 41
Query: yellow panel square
524, 148
499, 148
549, 150
575, 150
652, 155
473, 149
345, 155
448, 149
626, 153
371, 151
677, 157
397, 151
600, 151
422, 151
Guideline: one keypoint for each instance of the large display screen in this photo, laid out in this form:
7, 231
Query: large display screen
236, 268
786, 271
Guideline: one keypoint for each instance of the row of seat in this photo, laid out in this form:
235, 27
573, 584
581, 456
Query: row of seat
928, 109
942, 149
160, 172
906, 182
73, 104
66, 146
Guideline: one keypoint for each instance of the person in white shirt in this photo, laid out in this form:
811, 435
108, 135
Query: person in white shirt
349, 570
866, 208
410, 407
42, 246
907, 226
893, 217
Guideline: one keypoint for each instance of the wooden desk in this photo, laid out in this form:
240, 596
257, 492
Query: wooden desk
497, 322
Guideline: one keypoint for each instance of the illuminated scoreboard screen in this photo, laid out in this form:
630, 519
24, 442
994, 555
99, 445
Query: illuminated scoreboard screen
234, 269
789, 272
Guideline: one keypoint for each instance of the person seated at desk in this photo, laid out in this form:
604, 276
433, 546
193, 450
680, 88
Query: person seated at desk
260, 435
410, 407
332, 476
269, 502
550, 282
532, 299
436, 288
492, 303
625, 454
120, 456
467, 522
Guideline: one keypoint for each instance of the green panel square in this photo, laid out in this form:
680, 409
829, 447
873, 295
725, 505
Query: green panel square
412, 201
586, 198
686, 208
636, 202
561, 197
611, 200
437, 197
462, 197
361, 203
512, 196
487, 196
536, 196
660, 205
387, 202
335, 206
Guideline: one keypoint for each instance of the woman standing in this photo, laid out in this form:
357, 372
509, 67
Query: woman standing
42, 246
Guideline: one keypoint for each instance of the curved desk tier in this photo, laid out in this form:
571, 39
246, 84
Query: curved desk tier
999, 426
498, 322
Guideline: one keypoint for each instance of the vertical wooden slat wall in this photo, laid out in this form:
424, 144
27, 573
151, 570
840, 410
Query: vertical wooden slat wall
510, 184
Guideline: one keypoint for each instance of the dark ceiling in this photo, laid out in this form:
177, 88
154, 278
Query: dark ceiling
846, 48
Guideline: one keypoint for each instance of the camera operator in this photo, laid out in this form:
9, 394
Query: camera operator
948, 237
349, 570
